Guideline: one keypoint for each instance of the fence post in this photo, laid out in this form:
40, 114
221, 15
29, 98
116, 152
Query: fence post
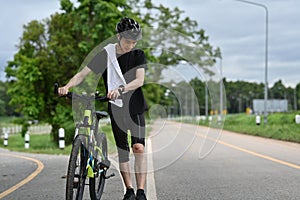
5, 142
257, 120
297, 119
61, 136
27, 140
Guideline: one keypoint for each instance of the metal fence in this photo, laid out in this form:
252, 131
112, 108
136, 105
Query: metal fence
273, 105
34, 129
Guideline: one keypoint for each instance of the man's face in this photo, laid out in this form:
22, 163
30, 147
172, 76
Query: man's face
127, 44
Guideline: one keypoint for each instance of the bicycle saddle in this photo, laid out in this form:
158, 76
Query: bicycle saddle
101, 114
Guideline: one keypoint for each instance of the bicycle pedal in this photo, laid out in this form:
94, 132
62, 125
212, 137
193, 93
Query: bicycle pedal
109, 176
64, 176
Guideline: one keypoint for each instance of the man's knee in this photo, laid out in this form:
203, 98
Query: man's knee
138, 148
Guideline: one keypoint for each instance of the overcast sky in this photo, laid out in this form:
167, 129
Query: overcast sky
237, 28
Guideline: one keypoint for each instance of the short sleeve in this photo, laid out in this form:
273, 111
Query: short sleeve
99, 63
141, 59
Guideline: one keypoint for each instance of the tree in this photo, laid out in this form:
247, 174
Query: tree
278, 91
297, 96
199, 89
240, 94
24, 90
173, 38
5, 108
2, 99
170, 39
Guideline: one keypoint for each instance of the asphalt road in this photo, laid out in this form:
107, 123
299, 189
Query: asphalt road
185, 162
49, 183
237, 167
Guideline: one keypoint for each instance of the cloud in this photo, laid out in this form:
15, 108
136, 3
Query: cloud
239, 30
14, 14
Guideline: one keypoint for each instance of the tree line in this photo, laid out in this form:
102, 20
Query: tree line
239, 95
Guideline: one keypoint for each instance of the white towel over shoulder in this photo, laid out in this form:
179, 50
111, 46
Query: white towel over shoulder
115, 77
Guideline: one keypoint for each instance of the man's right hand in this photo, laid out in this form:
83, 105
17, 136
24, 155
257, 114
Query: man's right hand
63, 90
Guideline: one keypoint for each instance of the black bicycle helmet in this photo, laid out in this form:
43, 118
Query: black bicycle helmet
129, 29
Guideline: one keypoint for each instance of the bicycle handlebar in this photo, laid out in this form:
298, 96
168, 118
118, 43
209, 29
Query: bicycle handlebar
72, 95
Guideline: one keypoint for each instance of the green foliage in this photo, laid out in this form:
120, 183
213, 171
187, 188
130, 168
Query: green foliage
2, 98
241, 93
52, 50
199, 89
25, 69
176, 38
5, 108
62, 118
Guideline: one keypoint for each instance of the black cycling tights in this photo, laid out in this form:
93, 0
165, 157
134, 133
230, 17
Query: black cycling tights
120, 126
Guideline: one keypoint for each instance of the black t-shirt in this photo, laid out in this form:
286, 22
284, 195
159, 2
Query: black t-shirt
133, 101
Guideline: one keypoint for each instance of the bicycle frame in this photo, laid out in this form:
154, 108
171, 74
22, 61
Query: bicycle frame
90, 124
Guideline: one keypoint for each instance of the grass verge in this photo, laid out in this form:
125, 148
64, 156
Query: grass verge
280, 126
44, 144
38, 144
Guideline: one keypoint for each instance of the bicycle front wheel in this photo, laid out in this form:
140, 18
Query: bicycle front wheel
76, 175
97, 183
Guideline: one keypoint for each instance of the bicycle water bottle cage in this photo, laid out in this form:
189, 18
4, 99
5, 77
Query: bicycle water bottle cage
86, 121
87, 118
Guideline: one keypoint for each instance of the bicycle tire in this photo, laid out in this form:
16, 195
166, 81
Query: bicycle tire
76, 171
97, 183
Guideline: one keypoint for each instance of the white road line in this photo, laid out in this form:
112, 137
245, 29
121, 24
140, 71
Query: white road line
39, 169
151, 189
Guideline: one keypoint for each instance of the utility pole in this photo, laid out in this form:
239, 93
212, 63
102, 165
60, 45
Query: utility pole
266, 56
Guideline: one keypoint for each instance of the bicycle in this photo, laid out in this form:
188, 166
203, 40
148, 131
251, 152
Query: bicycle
89, 156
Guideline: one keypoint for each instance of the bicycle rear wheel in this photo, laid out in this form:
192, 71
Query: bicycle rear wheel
97, 183
76, 175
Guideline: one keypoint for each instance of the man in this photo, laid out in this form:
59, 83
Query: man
125, 76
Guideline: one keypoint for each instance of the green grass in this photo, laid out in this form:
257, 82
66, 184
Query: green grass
38, 144
280, 126
43, 143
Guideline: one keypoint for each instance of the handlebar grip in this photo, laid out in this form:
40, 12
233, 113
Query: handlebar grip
56, 88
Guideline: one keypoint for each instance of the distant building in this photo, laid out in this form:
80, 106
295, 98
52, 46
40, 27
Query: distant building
273, 105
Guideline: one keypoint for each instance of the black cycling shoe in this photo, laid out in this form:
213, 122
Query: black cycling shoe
129, 195
140, 195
